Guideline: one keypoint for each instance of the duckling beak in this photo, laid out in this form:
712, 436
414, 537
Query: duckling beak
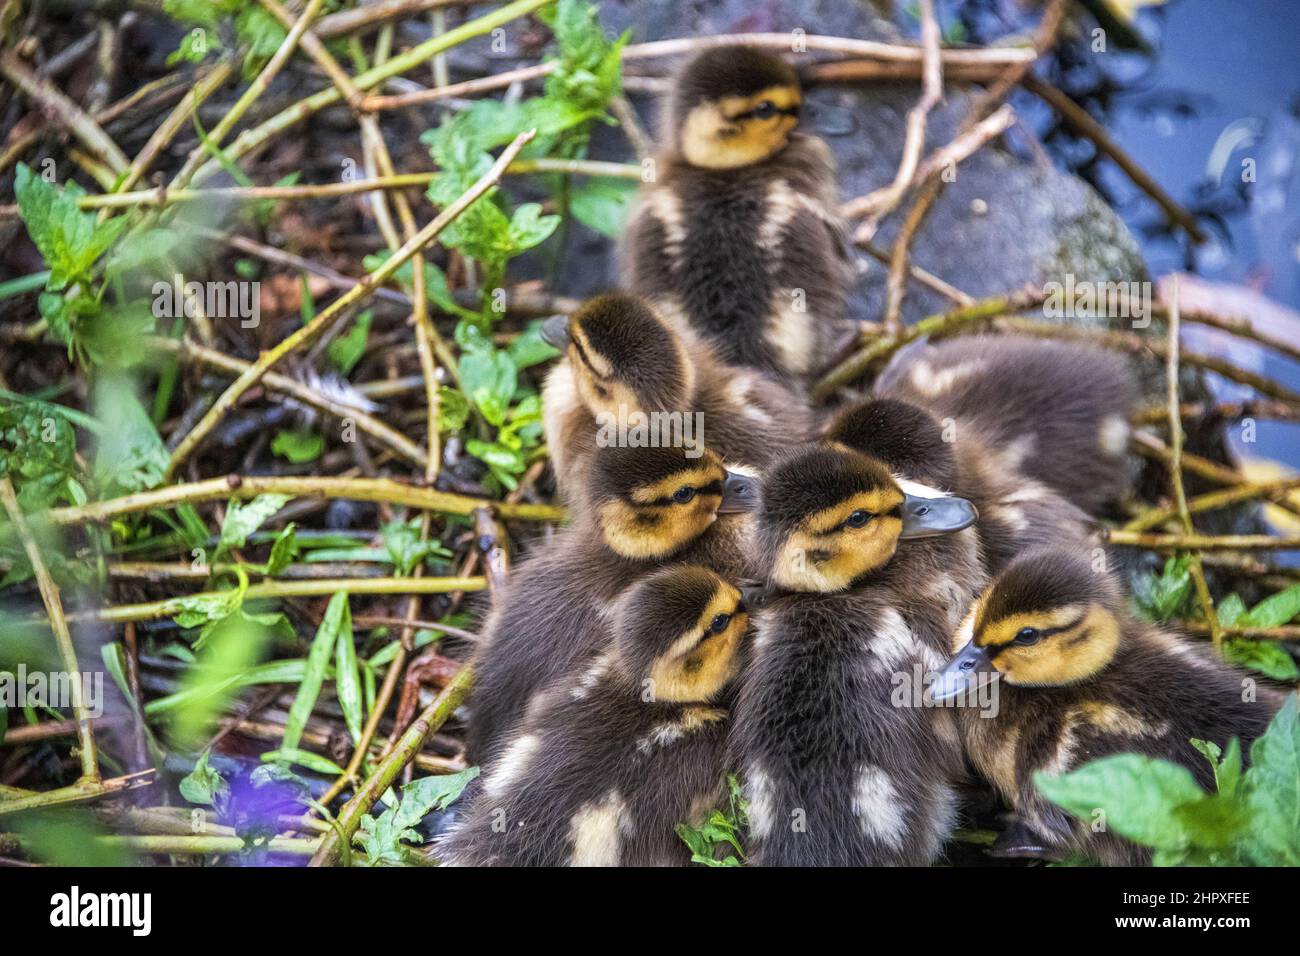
739, 493
969, 669
930, 517
555, 332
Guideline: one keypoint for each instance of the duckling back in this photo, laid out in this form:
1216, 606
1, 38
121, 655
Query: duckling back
1057, 413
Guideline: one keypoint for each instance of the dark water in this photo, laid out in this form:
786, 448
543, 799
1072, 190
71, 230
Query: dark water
1218, 106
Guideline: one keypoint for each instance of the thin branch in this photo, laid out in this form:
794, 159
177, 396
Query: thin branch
338, 308
324, 487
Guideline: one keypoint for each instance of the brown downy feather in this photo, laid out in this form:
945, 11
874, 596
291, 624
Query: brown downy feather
752, 258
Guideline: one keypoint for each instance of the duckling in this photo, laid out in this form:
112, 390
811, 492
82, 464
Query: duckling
1076, 677
624, 365
1055, 412
646, 507
607, 762
841, 763
927, 457
737, 237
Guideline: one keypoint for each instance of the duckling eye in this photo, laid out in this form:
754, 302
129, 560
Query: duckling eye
719, 623
858, 519
684, 494
765, 110
1028, 635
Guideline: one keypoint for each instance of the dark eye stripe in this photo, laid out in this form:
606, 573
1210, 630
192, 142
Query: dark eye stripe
582, 354
712, 488
995, 649
750, 114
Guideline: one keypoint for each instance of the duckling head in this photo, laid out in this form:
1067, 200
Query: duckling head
1050, 619
904, 436
829, 515
652, 502
624, 357
681, 629
733, 106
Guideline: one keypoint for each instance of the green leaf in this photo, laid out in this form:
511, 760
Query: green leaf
453, 409
203, 785
298, 446
603, 205
347, 681
489, 377
1231, 610
712, 843
283, 551
131, 456
71, 241
346, 350
383, 837
404, 548
1143, 799
243, 518
1163, 597
1276, 610
528, 349
338, 619
1264, 656
1272, 791
303, 758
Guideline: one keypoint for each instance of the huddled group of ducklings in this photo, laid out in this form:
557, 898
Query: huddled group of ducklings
756, 605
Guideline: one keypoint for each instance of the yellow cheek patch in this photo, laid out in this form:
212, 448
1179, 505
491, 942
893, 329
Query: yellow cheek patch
877, 501
697, 477
654, 531
1004, 631
1065, 658
697, 666
829, 563
720, 135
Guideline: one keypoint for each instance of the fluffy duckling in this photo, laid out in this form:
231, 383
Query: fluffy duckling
646, 507
842, 764
607, 762
1076, 677
624, 366
737, 237
1016, 512
1055, 412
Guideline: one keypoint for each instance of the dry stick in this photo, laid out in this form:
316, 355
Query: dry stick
62, 636
1176, 471
164, 196
1284, 633
433, 717
1236, 325
1079, 118
53, 102
172, 125
922, 276
983, 62
376, 14
1201, 542
895, 287
947, 322
1237, 494
1252, 408
307, 333
250, 96
380, 620
883, 201
384, 434
263, 590
873, 71
409, 59
305, 486
79, 792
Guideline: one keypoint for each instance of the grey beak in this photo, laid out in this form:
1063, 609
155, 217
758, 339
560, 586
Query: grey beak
930, 517
968, 670
754, 596
555, 332
739, 494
